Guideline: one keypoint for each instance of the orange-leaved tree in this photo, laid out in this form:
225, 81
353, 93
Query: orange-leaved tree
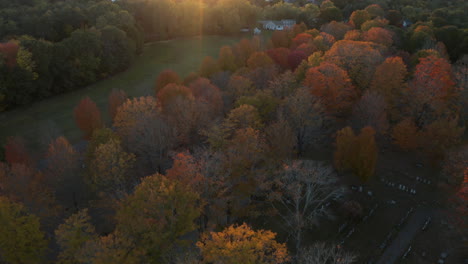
357, 153
187, 170
405, 134
367, 153
433, 81
242, 244
379, 35
301, 39
164, 78
389, 81
331, 84
358, 58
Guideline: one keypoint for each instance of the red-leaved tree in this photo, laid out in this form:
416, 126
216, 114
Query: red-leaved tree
87, 117
8, 51
16, 151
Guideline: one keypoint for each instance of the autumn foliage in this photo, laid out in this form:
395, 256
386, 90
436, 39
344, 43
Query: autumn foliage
302, 38
87, 117
389, 80
185, 169
171, 93
208, 67
241, 244
9, 51
378, 35
226, 59
164, 78
357, 153
358, 58
295, 58
332, 84
208, 95
16, 151
21, 241
280, 56
280, 39
178, 106
358, 17
405, 134
433, 80
259, 60
157, 215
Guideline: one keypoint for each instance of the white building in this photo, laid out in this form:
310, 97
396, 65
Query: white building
278, 24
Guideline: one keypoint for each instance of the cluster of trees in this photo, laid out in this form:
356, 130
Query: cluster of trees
428, 22
187, 175
165, 19
50, 47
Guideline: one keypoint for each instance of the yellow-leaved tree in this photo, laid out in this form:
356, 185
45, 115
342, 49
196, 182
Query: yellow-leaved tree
356, 153
21, 240
157, 215
242, 244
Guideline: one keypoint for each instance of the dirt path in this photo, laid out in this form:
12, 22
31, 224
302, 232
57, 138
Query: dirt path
405, 236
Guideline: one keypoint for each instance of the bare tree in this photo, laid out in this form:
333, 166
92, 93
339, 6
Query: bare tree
322, 253
300, 193
371, 111
306, 117
139, 122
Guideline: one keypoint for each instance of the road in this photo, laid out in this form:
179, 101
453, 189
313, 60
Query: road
402, 241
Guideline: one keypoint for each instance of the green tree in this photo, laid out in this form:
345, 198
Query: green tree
110, 171
72, 235
157, 214
117, 50
208, 67
358, 17
226, 59
21, 240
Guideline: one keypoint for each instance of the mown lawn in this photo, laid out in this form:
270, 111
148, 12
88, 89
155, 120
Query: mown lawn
56, 113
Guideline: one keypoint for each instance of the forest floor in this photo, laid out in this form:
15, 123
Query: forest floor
54, 116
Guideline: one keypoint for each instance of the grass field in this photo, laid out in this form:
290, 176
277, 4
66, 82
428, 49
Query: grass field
56, 113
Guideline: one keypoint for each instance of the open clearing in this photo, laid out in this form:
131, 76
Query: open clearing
56, 113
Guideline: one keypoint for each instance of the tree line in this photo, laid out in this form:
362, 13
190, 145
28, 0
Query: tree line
55, 47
